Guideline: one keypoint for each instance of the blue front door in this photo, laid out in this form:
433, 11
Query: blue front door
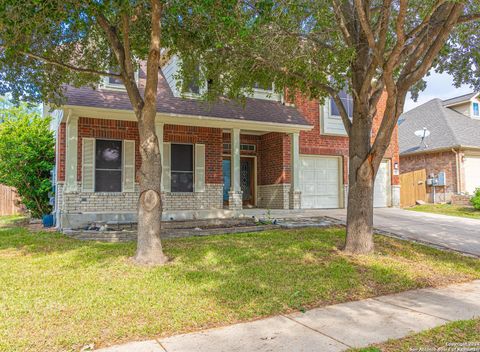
246, 180
226, 178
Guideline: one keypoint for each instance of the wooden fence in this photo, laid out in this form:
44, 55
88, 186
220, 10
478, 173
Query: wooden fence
413, 187
9, 201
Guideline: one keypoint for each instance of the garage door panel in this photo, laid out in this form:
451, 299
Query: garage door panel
472, 173
319, 182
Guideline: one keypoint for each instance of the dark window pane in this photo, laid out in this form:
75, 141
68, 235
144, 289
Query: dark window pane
108, 154
182, 157
182, 182
268, 86
115, 80
347, 101
194, 88
108, 181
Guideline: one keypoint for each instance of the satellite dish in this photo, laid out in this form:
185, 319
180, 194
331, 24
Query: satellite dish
424, 133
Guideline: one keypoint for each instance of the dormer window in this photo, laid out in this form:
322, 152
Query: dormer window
476, 110
265, 87
115, 83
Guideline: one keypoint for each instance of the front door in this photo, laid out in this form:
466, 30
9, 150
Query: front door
247, 182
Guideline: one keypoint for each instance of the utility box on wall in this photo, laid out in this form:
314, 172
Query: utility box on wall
442, 179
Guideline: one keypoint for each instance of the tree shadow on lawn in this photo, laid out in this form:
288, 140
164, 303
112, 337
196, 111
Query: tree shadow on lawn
48, 243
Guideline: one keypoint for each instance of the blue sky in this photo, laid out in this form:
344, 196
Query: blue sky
438, 86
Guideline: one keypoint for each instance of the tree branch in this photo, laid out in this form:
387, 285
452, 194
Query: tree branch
469, 18
68, 66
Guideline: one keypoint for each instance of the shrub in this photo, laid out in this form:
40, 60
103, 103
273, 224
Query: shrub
476, 199
27, 156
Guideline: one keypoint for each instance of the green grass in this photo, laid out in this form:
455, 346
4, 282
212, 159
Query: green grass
448, 209
57, 293
7, 220
459, 332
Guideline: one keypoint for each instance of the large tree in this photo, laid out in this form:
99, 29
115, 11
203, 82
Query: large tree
319, 48
45, 45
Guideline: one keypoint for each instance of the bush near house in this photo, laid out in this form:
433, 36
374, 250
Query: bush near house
27, 156
476, 199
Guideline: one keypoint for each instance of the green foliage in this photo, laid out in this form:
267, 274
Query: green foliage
476, 199
27, 156
299, 43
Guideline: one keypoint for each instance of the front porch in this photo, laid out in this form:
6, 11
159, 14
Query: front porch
208, 172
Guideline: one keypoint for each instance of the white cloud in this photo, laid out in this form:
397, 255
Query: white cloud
438, 86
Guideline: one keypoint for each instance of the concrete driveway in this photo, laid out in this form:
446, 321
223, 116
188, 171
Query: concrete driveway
453, 232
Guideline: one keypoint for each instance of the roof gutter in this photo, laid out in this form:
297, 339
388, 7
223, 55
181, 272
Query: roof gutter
457, 170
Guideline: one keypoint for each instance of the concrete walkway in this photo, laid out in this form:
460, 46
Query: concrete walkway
333, 328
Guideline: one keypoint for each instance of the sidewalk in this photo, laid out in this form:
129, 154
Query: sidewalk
332, 328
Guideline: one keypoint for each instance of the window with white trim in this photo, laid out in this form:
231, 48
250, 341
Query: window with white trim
181, 169
108, 166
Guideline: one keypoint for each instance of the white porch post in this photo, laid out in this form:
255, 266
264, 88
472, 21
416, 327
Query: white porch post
235, 194
159, 133
71, 154
295, 193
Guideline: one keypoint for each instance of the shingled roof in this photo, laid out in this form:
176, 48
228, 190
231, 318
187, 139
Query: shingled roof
251, 110
448, 128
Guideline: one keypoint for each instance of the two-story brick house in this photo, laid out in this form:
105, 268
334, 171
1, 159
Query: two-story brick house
218, 158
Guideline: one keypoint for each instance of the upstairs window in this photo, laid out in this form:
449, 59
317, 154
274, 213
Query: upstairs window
347, 101
476, 110
266, 87
181, 168
108, 166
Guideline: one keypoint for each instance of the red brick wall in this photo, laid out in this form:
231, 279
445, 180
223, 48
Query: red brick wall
116, 129
433, 163
211, 137
313, 142
274, 159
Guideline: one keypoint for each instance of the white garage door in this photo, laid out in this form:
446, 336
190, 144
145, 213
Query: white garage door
472, 173
382, 186
320, 181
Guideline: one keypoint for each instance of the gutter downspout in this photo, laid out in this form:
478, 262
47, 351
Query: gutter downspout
457, 170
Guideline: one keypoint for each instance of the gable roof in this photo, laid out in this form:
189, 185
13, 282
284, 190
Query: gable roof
257, 110
448, 128
460, 99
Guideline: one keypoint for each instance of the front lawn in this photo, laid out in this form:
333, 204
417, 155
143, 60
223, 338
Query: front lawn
448, 209
57, 293
457, 336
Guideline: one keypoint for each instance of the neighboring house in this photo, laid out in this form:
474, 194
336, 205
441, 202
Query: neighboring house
453, 145
217, 158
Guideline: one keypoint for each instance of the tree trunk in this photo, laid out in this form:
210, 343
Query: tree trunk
361, 184
149, 246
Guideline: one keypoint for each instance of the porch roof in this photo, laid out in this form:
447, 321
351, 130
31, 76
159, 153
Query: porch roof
254, 110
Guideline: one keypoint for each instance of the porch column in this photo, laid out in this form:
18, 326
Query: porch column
235, 194
71, 154
295, 193
159, 133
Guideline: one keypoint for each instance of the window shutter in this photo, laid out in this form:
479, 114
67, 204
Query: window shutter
88, 165
199, 168
166, 178
128, 166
